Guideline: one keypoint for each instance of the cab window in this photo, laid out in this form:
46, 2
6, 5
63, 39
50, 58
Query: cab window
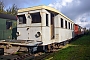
36, 18
22, 19
8, 25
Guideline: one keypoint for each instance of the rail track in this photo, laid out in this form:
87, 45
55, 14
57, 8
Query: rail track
26, 56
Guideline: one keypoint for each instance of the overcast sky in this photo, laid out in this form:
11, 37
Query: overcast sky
77, 10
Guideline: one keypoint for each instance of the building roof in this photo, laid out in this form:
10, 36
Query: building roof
42, 7
7, 16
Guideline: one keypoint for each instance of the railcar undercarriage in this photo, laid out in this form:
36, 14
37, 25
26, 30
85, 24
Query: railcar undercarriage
13, 46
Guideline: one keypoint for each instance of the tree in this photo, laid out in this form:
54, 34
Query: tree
12, 10
2, 7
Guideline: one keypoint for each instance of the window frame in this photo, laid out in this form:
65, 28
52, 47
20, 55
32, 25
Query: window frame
34, 18
47, 20
24, 21
62, 22
65, 24
8, 23
68, 25
71, 26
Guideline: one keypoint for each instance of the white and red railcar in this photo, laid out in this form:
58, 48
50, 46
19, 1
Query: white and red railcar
43, 24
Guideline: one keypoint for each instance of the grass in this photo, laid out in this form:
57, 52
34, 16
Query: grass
76, 50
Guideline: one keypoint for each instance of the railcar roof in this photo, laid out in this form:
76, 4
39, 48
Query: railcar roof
37, 8
42, 7
7, 16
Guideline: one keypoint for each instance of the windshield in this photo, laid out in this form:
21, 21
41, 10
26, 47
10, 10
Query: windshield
36, 18
22, 19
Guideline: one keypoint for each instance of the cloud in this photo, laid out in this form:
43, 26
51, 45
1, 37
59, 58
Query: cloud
77, 10
20, 3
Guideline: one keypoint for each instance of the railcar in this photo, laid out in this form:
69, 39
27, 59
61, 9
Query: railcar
83, 31
78, 30
44, 27
7, 27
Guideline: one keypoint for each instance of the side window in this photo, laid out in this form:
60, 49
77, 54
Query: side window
69, 24
36, 18
46, 19
8, 25
66, 24
22, 19
61, 23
